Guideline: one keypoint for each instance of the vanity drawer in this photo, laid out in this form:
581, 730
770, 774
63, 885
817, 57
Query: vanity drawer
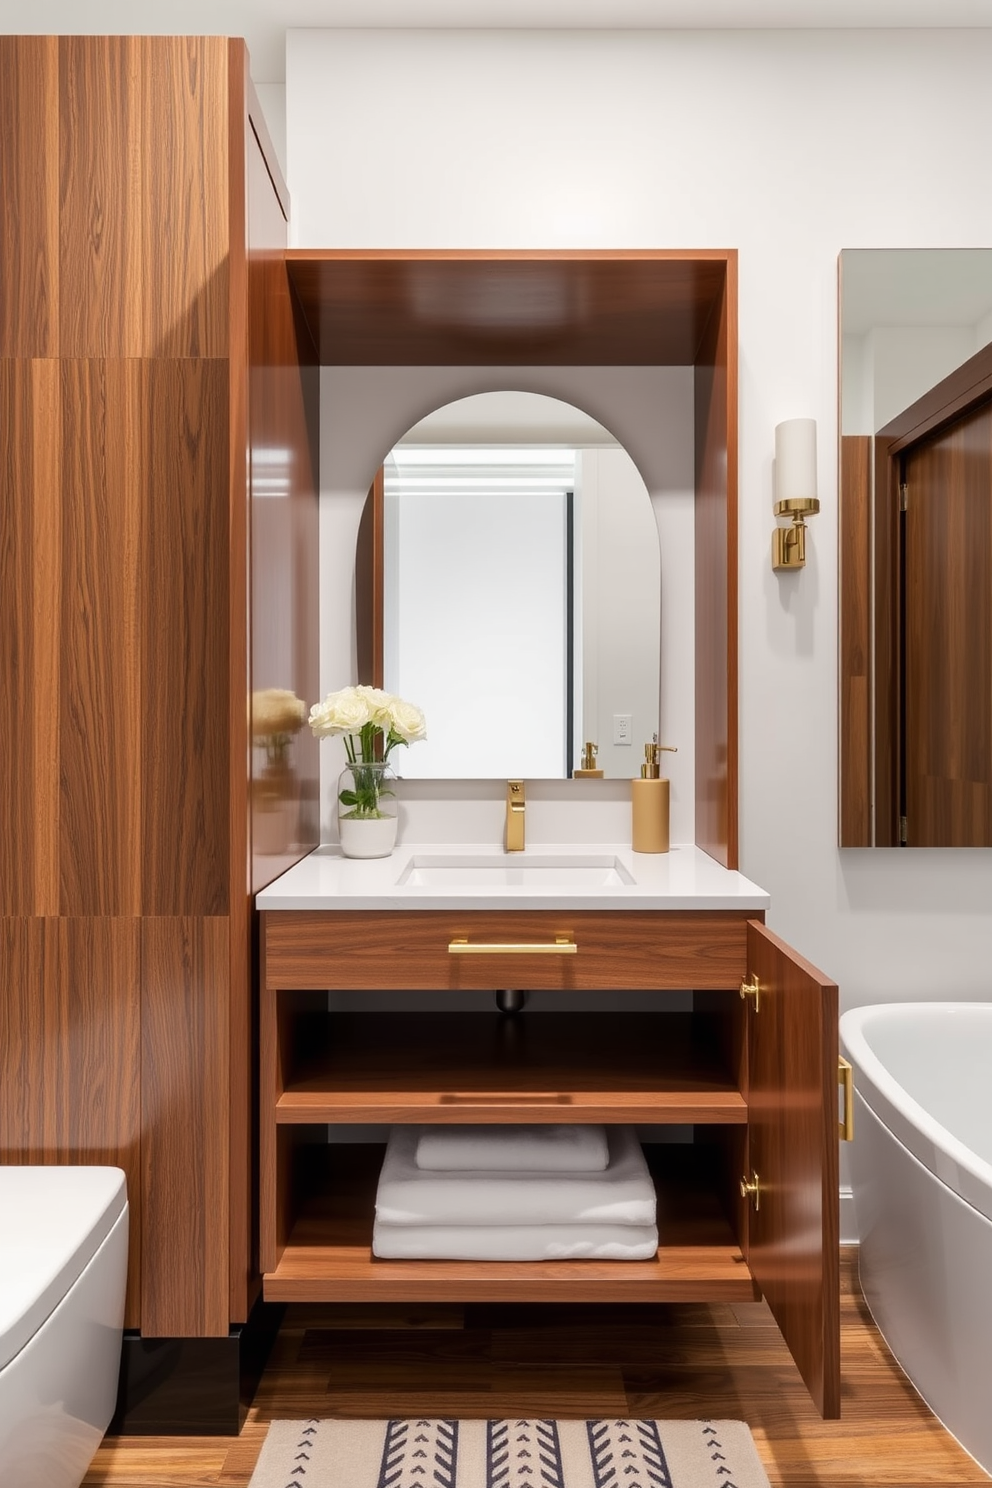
437, 950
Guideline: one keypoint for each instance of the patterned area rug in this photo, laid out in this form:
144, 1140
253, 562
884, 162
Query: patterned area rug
508, 1454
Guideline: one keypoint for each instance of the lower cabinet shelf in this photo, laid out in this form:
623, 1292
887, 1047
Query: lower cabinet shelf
327, 1256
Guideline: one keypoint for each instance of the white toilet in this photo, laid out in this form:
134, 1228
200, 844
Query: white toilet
63, 1269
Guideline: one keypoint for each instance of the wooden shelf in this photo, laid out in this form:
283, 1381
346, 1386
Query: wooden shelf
508, 307
328, 1256
483, 1068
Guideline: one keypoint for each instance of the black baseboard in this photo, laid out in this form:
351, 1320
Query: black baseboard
193, 1386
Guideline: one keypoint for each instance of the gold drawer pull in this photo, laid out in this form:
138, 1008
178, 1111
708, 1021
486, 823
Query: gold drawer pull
845, 1077
561, 946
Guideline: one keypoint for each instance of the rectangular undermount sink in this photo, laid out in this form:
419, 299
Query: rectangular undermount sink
453, 871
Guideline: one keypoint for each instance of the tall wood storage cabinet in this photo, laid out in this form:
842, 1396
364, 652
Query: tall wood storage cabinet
149, 365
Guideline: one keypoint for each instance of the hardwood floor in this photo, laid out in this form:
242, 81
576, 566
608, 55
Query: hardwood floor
665, 1361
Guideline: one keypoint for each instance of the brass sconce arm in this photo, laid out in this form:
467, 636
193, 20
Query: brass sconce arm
789, 543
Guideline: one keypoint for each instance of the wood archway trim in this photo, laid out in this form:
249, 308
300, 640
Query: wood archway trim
433, 307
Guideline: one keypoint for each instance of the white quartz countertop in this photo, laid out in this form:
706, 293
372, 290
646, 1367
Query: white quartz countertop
597, 876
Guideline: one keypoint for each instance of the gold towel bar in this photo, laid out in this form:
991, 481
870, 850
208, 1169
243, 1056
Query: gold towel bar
561, 946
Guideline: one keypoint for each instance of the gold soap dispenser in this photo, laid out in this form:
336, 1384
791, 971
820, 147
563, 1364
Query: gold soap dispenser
650, 803
588, 766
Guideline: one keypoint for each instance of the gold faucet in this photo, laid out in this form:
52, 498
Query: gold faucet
514, 816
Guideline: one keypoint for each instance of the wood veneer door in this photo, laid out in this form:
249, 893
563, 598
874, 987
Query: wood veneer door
947, 637
793, 1236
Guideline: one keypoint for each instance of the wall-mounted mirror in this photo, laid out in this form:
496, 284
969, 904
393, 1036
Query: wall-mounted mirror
508, 578
916, 548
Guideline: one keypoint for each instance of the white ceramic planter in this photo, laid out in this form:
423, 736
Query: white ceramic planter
369, 838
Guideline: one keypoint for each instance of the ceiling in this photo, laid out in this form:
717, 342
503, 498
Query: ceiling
264, 23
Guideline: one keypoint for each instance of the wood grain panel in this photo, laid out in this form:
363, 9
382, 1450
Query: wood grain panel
547, 308
185, 638
947, 636
183, 203
29, 599
854, 584
372, 949
101, 274
716, 580
144, 222
793, 1237
185, 1108
29, 114
100, 736
69, 1029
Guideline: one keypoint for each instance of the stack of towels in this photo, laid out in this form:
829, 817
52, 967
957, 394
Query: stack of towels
515, 1193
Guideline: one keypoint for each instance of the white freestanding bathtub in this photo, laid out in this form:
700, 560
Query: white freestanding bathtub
63, 1267
921, 1165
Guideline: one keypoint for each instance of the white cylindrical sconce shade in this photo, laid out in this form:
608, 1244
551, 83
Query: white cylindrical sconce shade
795, 460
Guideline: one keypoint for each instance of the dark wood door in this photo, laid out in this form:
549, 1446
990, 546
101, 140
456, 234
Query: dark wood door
947, 636
793, 1235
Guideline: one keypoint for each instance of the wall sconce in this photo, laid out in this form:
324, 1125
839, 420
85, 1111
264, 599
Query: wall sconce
795, 489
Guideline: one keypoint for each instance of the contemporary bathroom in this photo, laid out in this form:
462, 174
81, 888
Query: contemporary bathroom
496, 862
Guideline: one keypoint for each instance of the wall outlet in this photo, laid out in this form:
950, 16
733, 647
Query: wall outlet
623, 728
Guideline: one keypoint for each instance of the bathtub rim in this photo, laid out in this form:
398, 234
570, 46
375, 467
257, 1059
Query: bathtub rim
943, 1154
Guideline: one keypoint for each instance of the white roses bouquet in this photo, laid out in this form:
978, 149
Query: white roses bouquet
372, 723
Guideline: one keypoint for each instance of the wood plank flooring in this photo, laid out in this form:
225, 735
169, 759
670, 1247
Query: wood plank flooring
680, 1360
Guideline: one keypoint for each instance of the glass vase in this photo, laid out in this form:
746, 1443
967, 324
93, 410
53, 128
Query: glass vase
367, 810
275, 809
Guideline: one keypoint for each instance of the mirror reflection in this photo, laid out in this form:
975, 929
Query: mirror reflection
518, 598
916, 547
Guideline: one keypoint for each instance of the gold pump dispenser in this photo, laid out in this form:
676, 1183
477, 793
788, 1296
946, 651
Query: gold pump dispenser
588, 766
650, 803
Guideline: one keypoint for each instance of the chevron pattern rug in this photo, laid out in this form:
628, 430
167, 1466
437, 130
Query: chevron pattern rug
508, 1454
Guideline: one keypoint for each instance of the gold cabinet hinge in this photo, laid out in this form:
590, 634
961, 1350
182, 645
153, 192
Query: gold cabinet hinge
751, 989
903, 497
751, 1189
845, 1079
903, 832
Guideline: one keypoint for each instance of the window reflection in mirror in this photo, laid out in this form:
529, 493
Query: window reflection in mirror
520, 576
915, 548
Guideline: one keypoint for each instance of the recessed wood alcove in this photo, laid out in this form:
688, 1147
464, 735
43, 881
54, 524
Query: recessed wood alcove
395, 307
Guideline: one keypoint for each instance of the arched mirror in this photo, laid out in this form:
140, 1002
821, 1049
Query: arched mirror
508, 580
916, 548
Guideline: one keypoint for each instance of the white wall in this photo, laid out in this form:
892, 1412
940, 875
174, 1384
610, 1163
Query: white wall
783, 145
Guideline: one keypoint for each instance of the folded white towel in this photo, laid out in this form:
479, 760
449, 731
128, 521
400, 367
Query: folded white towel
517, 1149
514, 1242
622, 1194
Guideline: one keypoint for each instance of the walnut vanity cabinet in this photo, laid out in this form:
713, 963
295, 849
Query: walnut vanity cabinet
757, 1084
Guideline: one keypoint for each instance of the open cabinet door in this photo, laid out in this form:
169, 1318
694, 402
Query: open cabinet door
793, 1235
